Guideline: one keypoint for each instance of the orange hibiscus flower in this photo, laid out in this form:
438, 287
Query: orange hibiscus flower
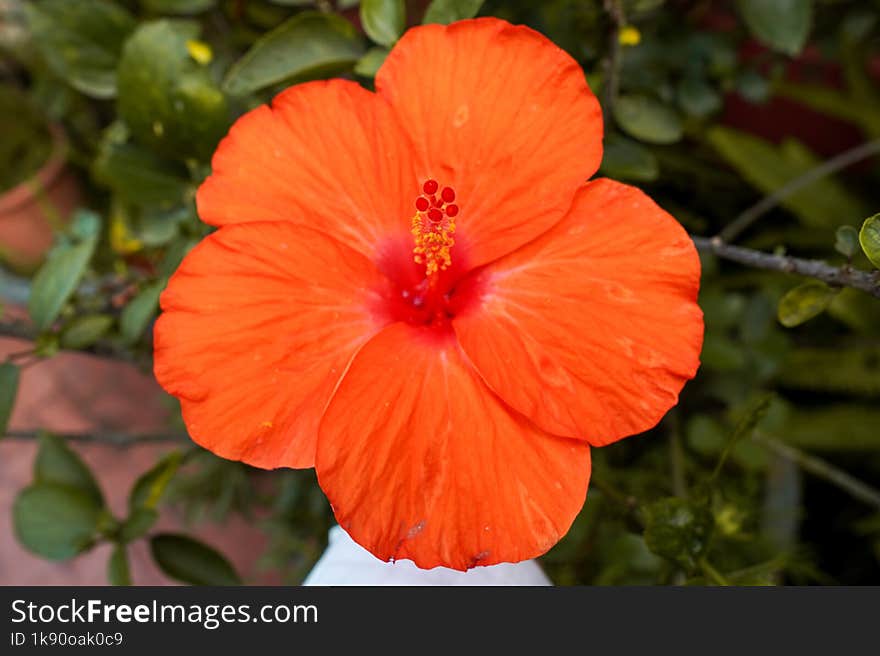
417, 292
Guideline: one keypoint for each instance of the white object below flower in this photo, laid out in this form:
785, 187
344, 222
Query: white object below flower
347, 563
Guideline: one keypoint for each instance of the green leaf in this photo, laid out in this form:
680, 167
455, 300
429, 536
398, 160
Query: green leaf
140, 311
166, 98
55, 521
869, 238
383, 20
838, 370
370, 63
857, 310
57, 279
137, 524
449, 11
750, 418
749, 455
780, 24
85, 224
678, 530
137, 174
721, 353
177, 250
804, 302
178, 7
58, 464
846, 241
187, 560
9, 378
149, 488
844, 427
767, 167
831, 101
135, 227
117, 567
705, 435
85, 330
81, 41
648, 119
310, 44
628, 160
697, 98
753, 86
155, 226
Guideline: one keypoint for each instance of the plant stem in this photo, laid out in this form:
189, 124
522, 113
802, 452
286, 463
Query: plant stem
629, 503
713, 574
845, 276
847, 158
21, 329
18, 355
614, 8
676, 458
110, 438
824, 470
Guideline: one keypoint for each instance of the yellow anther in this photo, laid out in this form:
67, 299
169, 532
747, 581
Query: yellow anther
433, 243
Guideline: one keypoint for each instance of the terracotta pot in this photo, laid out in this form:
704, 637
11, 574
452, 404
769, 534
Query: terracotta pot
30, 210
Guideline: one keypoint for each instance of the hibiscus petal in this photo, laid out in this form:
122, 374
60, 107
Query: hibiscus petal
421, 461
326, 154
592, 330
504, 116
260, 322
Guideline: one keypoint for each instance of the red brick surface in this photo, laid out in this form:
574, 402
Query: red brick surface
75, 393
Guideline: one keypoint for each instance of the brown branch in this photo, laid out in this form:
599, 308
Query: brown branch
823, 469
847, 158
21, 329
845, 276
107, 438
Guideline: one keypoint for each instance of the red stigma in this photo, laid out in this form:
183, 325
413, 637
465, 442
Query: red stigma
433, 206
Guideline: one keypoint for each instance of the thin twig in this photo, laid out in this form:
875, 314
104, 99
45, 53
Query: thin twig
844, 276
110, 438
824, 470
18, 355
847, 158
713, 574
614, 8
629, 503
32, 361
20, 329
676, 458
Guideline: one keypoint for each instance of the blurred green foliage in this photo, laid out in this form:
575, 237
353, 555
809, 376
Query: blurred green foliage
25, 143
709, 106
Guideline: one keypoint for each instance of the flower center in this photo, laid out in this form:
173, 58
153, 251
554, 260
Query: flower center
433, 227
425, 287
